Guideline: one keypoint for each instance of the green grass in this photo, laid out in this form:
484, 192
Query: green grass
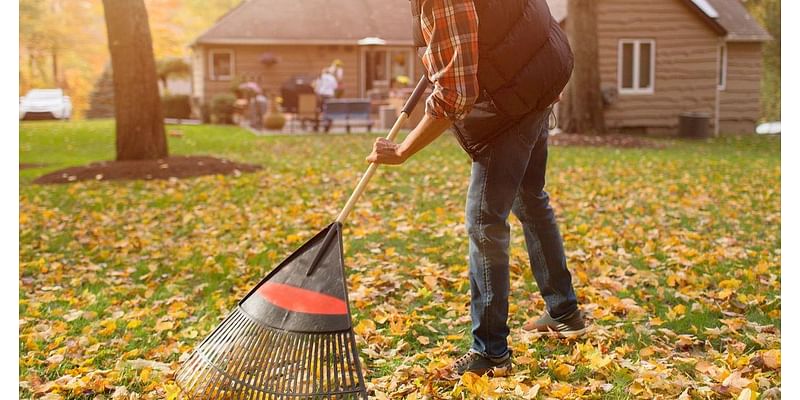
658, 227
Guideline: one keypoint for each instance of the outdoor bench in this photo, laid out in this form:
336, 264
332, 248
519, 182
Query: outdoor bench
347, 112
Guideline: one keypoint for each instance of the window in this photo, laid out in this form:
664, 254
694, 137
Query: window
221, 65
637, 66
722, 67
377, 77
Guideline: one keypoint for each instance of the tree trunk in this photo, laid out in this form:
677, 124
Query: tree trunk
140, 122
584, 96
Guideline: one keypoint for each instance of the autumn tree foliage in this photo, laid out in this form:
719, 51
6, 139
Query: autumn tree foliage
137, 103
63, 42
768, 14
584, 100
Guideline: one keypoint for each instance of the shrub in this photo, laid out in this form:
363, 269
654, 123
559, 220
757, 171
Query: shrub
205, 112
176, 106
222, 108
274, 121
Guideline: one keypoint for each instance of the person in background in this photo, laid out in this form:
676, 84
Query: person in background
338, 72
325, 87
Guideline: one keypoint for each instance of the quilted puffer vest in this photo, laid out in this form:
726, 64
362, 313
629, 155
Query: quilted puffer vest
525, 61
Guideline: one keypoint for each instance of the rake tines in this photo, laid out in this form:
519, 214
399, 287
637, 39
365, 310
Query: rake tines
284, 341
247, 360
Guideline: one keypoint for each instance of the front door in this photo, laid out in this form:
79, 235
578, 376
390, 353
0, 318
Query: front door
381, 67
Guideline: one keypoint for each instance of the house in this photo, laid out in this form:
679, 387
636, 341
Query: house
269, 41
658, 58
661, 58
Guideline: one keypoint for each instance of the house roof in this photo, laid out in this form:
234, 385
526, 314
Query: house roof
739, 23
312, 22
345, 22
726, 17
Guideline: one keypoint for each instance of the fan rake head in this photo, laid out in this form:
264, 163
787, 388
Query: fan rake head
246, 360
291, 337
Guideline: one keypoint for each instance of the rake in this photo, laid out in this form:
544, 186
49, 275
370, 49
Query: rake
291, 336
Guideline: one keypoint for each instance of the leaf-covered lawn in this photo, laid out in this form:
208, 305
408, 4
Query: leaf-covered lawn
675, 255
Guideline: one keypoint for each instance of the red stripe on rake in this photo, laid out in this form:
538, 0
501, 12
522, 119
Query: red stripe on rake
301, 300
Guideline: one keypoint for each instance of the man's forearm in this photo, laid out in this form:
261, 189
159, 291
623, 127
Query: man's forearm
426, 132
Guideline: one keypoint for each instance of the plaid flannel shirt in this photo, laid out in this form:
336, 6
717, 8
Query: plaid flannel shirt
450, 28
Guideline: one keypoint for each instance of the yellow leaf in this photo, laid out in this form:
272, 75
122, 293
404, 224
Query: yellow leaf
144, 376
772, 359
676, 312
172, 392
133, 324
477, 385
730, 284
724, 294
293, 238
365, 327
162, 326
597, 361
672, 281
563, 371
561, 391
747, 394
109, 327
398, 325
131, 354
30, 343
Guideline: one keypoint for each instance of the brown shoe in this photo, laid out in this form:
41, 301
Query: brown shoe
480, 364
568, 326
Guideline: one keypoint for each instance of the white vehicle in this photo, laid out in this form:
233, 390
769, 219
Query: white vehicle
769, 128
45, 104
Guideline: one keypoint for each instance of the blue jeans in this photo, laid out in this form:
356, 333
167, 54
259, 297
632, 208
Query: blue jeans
509, 177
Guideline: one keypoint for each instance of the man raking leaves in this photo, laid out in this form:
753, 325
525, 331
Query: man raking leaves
497, 66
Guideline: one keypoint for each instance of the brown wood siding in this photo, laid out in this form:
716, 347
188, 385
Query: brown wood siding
685, 65
740, 104
292, 60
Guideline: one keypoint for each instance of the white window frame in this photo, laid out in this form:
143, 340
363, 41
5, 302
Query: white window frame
722, 60
213, 74
637, 45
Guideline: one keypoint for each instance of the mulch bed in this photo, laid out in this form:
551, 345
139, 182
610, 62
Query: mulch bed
613, 140
30, 165
170, 167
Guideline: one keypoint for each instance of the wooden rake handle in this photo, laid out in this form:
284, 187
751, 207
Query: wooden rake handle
411, 103
362, 184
